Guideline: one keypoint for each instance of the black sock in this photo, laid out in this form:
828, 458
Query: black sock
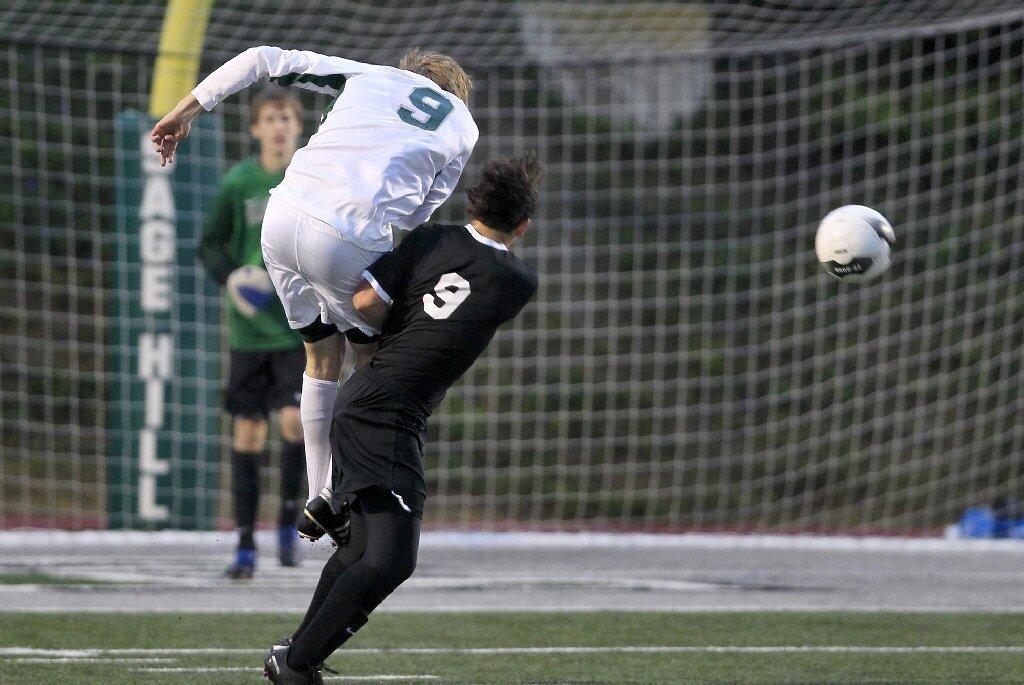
356, 592
245, 485
293, 467
328, 577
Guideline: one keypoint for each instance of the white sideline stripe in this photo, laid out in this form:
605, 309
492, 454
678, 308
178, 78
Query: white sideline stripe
380, 677
89, 660
427, 582
547, 609
26, 539
248, 669
200, 669
622, 649
473, 582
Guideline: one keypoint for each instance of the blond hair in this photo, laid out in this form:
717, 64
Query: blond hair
441, 69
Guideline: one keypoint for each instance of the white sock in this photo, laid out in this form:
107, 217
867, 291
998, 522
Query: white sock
328, 486
317, 410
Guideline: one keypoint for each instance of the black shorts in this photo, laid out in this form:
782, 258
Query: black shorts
261, 382
377, 439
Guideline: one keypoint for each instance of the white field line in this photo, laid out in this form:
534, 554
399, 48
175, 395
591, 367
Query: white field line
248, 669
203, 581
374, 678
473, 582
89, 660
621, 649
20, 540
507, 607
201, 669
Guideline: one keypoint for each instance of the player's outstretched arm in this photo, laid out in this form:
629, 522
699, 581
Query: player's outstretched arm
311, 70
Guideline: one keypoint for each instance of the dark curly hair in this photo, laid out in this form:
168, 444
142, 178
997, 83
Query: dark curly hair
505, 195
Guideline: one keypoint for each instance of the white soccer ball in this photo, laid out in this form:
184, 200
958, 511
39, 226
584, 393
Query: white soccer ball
250, 289
852, 243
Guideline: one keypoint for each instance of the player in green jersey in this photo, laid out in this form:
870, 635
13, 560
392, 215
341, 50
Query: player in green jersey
267, 357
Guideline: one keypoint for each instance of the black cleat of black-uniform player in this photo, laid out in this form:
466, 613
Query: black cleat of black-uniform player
319, 517
287, 642
276, 669
308, 528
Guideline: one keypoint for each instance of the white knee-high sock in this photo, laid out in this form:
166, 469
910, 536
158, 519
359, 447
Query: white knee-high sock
329, 475
317, 409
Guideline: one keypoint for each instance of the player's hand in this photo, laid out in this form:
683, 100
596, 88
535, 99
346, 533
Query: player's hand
174, 128
166, 135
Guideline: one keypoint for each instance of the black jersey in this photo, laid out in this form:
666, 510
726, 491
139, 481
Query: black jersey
449, 288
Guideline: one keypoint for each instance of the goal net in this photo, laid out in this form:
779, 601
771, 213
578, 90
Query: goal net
685, 365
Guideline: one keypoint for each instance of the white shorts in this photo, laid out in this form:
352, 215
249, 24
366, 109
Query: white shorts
314, 271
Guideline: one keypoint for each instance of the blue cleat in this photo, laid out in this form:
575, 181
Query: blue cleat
244, 566
287, 546
979, 522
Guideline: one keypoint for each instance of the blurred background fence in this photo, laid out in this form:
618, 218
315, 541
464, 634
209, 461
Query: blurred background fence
686, 365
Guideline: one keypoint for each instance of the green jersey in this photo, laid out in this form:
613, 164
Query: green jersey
231, 238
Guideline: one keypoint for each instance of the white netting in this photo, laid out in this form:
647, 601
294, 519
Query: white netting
685, 364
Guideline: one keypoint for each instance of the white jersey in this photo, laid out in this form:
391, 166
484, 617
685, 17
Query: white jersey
389, 150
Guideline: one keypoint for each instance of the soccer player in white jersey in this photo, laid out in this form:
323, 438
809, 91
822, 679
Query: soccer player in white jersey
389, 150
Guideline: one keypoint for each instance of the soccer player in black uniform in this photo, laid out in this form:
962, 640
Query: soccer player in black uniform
438, 299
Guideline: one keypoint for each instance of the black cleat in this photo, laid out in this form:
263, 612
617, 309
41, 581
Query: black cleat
276, 669
287, 642
308, 528
320, 514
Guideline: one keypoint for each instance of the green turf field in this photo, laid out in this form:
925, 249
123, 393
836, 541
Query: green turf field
507, 648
